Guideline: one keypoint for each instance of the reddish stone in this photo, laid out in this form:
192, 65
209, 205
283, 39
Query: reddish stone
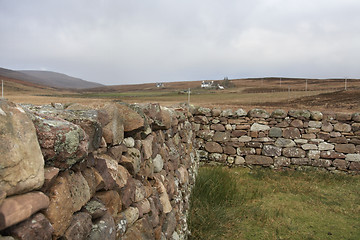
50, 174
340, 164
140, 230
323, 135
354, 166
127, 193
132, 119
259, 160
111, 200
117, 151
345, 148
213, 147
37, 227
342, 140
18, 208
297, 123
291, 133
331, 154
238, 133
229, 150
217, 127
80, 227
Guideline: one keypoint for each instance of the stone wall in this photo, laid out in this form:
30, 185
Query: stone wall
279, 139
104, 171
117, 171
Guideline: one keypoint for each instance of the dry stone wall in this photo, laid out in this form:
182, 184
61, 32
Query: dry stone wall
117, 171
104, 171
279, 139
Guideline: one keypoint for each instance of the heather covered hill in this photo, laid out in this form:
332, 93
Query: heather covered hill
46, 78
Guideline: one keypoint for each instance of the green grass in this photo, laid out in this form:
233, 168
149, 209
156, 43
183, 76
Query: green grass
240, 203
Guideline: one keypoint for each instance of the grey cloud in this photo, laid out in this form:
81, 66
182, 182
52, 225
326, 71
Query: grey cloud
117, 42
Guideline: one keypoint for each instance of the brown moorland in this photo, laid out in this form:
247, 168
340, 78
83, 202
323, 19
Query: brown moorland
268, 93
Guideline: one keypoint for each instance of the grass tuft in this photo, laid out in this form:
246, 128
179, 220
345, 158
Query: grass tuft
263, 204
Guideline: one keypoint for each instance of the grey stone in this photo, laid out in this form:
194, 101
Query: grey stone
282, 142
313, 154
271, 151
221, 136
239, 160
129, 142
258, 113
315, 124
309, 147
294, 152
227, 113
353, 157
300, 114
240, 112
316, 115
256, 127
326, 146
275, 132
158, 163
342, 127
244, 139
279, 113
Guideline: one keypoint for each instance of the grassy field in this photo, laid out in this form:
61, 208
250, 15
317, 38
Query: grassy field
240, 203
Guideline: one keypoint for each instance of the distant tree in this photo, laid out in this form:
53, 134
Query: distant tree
227, 83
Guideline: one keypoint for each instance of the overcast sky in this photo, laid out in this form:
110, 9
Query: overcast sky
136, 41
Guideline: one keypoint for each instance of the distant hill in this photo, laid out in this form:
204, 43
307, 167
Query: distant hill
47, 78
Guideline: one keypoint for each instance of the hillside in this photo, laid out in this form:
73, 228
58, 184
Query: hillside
46, 78
59, 80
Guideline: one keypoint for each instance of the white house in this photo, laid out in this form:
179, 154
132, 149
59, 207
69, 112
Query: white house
205, 84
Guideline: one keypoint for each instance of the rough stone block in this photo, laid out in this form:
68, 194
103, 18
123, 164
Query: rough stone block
340, 164
271, 151
275, 132
345, 148
282, 142
279, 113
256, 127
353, 157
326, 146
294, 152
22, 163
342, 127
80, 227
331, 154
291, 133
300, 114
103, 228
112, 201
141, 229
37, 227
213, 147
259, 160
258, 113
221, 137
62, 143
18, 208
